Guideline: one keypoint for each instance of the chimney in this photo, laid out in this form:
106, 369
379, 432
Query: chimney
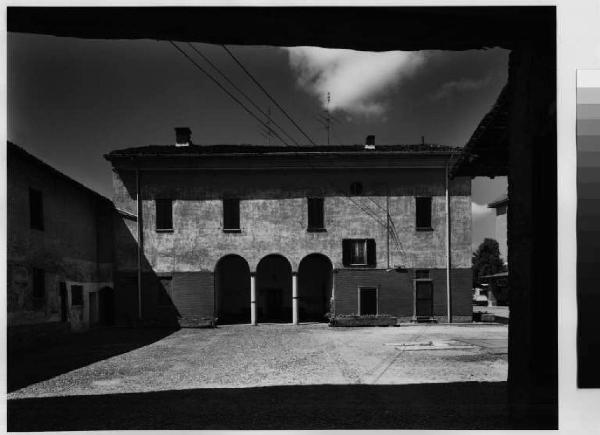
183, 136
370, 142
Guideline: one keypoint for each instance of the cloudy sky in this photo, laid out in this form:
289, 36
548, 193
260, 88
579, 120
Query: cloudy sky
72, 100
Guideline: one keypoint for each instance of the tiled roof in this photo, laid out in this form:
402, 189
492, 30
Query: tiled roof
18, 151
203, 150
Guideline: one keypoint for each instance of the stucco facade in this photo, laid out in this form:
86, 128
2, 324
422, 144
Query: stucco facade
273, 191
71, 246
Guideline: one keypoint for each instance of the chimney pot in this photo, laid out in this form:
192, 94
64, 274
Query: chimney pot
370, 142
183, 136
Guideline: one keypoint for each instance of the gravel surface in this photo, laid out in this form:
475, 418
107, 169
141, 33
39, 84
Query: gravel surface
241, 356
266, 377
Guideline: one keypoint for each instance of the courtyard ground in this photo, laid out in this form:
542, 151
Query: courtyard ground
265, 377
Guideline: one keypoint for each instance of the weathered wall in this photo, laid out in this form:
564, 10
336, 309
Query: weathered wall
274, 218
75, 246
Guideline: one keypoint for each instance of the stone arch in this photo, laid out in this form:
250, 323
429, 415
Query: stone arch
232, 290
315, 283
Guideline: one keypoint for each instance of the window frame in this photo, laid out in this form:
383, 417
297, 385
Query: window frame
159, 216
369, 287
314, 200
364, 243
370, 252
423, 227
226, 228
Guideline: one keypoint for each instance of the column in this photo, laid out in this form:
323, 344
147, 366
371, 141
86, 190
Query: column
295, 298
332, 302
253, 298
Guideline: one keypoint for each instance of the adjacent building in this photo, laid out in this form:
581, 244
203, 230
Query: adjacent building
59, 251
249, 234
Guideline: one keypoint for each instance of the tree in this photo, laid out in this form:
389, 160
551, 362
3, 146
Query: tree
486, 260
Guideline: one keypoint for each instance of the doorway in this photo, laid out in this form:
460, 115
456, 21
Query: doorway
274, 289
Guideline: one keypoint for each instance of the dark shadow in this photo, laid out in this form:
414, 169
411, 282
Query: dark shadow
232, 290
26, 367
314, 288
274, 289
461, 405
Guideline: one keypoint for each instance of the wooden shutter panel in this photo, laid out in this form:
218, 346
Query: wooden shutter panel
319, 213
346, 246
231, 214
315, 213
423, 212
371, 254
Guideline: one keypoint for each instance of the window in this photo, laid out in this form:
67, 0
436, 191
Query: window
423, 213
164, 214
315, 214
39, 283
36, 210
231, 215
358, 252
164, 291
77, 295
367, 301
356, 188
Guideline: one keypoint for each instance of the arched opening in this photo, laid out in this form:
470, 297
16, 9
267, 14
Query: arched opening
314, 288
106, 308
232, 290
274, 289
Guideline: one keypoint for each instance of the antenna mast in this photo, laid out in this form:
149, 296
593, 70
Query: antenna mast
328, 126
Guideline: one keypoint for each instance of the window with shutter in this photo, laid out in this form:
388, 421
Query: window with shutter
231, 215
358, 252
315, 214
164, 214
423, 206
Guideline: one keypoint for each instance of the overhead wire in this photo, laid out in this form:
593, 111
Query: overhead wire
261, 87
225, 89
234, 86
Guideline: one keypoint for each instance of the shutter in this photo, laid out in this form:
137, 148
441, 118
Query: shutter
231, 214
371, 254
235, 213
319, 213
346, 246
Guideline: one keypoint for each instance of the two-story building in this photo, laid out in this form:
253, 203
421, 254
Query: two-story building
245, 233
59, 251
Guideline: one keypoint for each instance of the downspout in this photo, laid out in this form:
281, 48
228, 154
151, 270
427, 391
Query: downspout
140, 240
448, 250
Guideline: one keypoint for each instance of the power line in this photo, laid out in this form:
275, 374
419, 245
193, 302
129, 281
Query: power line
223, 88
267, 94
222, 74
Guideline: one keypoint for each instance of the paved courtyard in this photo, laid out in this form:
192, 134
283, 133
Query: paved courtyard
281, 362
243, 356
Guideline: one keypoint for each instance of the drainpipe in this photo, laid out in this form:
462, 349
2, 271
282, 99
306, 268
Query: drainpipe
140, 240
448, 250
